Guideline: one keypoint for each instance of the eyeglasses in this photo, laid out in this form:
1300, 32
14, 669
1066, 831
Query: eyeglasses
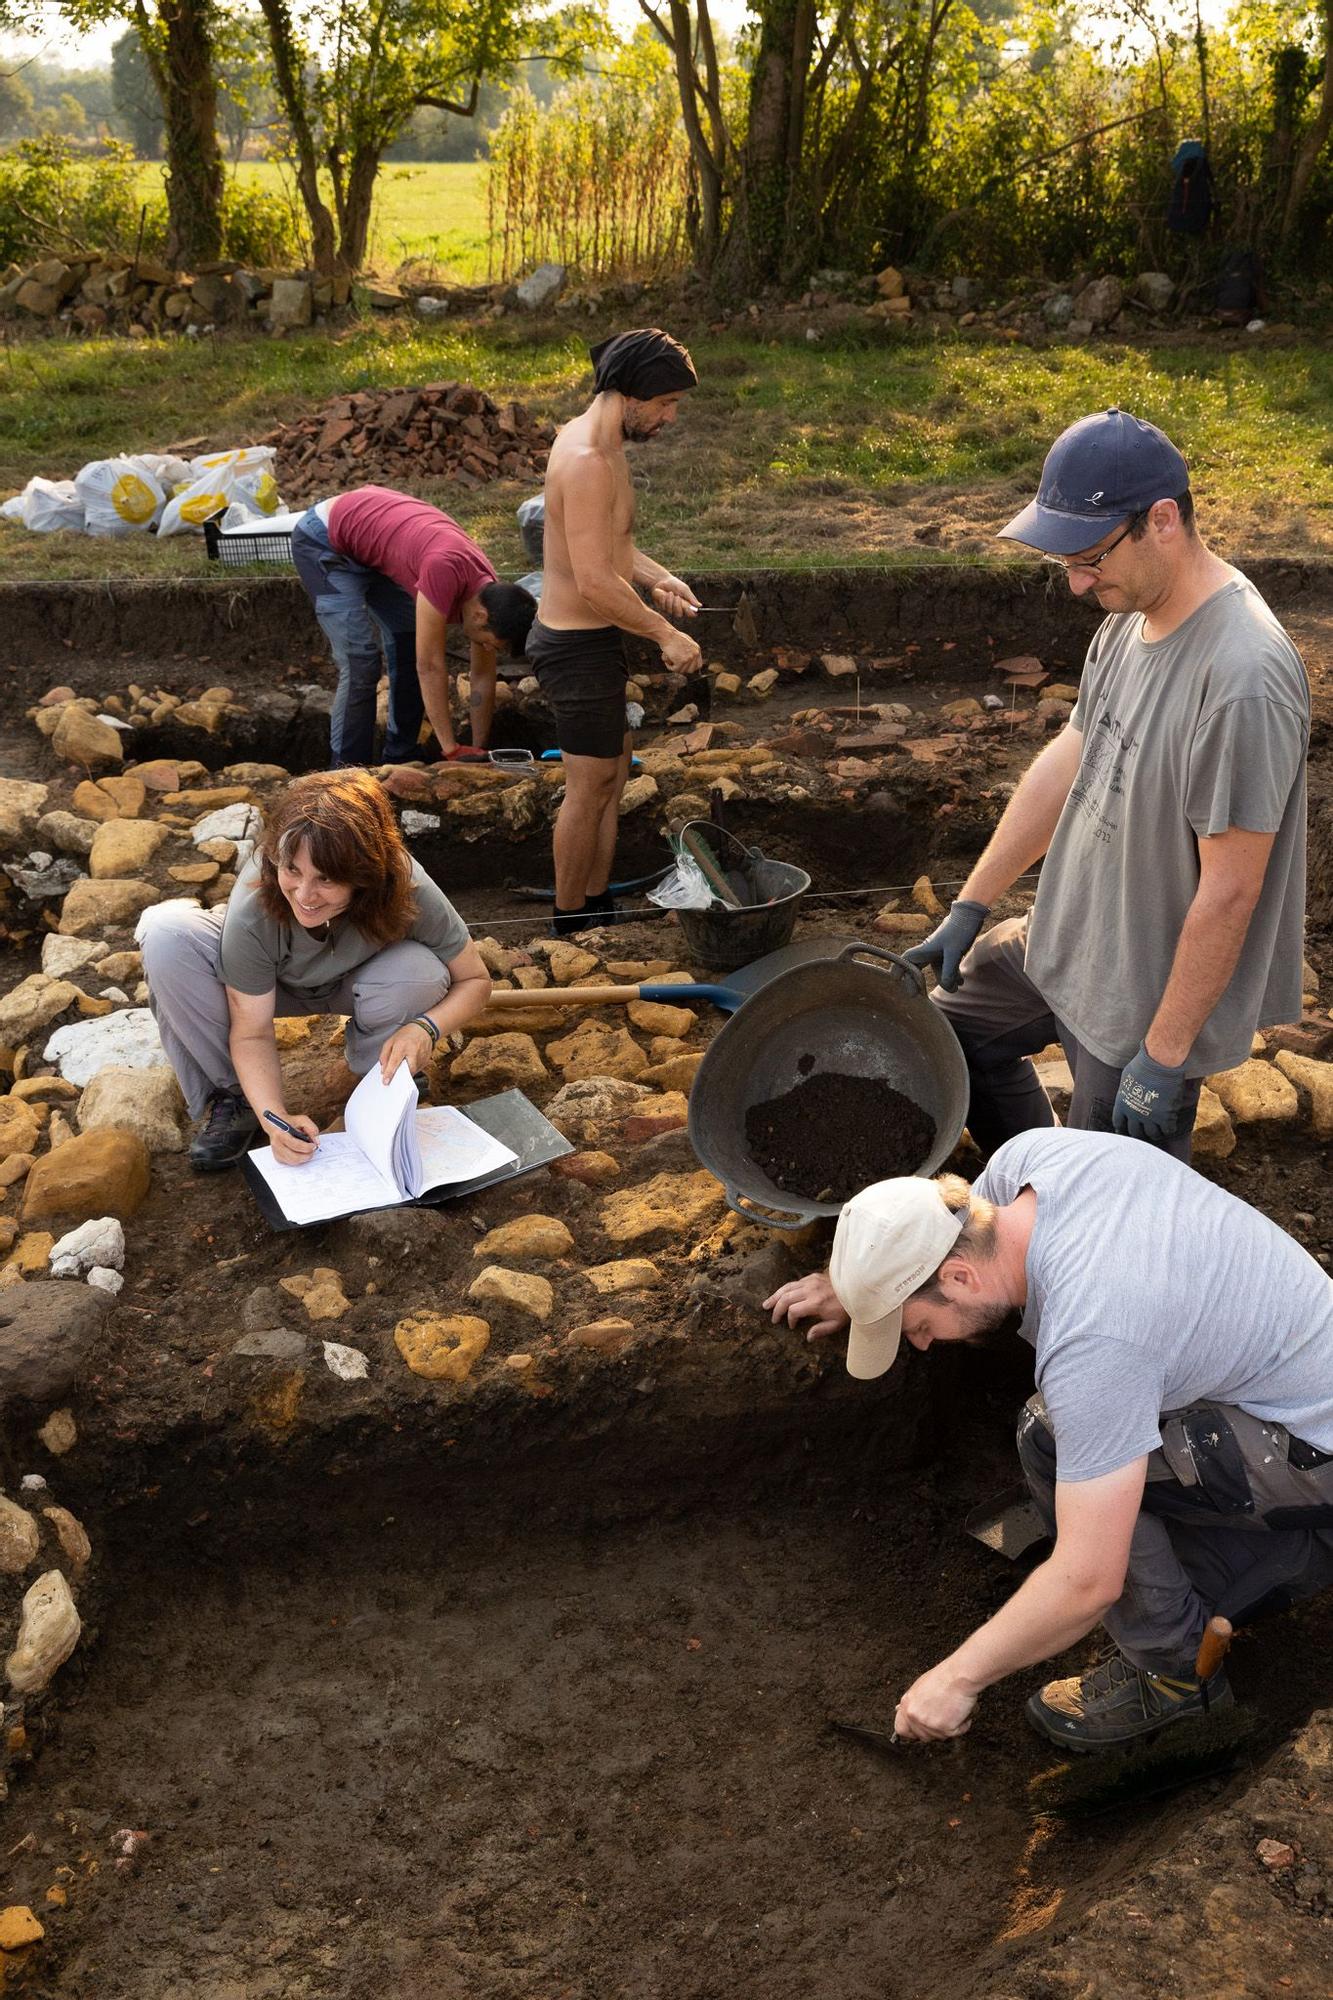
1092, 565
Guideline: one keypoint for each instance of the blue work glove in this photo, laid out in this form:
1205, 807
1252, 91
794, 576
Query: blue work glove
950, 942
1147, 1104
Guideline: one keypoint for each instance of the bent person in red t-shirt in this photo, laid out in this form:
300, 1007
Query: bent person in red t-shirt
380, 567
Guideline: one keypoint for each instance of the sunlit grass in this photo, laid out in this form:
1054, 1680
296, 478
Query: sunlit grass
786, 454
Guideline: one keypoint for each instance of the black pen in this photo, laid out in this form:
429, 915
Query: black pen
290, 1130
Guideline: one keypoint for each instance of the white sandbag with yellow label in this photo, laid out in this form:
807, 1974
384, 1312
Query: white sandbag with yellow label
216, 482
120, 497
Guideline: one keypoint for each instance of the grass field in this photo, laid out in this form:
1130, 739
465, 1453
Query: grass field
432, 212
863, 450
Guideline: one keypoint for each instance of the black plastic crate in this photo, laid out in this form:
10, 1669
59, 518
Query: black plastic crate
249, 549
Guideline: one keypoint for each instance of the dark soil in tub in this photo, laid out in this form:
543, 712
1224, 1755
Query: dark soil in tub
832, 1134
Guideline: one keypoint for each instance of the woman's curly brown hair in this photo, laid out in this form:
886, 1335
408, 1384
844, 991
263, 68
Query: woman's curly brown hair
346, 822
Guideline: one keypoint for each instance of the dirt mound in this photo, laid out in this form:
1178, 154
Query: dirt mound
391, 437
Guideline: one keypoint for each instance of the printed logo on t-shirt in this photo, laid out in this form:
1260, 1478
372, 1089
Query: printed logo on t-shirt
1100, 784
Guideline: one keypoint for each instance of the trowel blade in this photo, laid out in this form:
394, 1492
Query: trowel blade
1009, 1524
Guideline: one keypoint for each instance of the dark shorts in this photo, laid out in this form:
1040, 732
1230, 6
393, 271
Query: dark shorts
583, 676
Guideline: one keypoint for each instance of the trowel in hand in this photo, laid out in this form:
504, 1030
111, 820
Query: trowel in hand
1009, 1524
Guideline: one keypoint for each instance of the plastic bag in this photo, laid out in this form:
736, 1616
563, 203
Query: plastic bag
683, 889
219, 481
168, 470
50, 505
120, 497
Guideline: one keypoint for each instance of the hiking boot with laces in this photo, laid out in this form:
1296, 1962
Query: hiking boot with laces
1115, 1703
229, 1130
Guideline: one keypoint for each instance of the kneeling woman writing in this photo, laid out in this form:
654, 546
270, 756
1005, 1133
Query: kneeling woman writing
330, 916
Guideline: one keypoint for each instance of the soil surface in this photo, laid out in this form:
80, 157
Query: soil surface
423, 1753
831, 1135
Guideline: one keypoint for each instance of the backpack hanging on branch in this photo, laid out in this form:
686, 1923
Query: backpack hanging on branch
1190, 206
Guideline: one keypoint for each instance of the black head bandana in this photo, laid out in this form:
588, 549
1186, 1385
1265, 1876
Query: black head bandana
642, 364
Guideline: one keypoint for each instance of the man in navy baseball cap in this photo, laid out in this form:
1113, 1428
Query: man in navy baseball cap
1170, 812
1101, 471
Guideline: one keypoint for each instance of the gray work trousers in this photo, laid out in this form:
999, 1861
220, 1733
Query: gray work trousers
179, 941
1231, 1522
1001, 1020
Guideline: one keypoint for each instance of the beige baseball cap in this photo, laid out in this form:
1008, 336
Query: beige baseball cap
890, 1239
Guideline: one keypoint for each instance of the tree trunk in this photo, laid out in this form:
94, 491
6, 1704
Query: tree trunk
189, 103
289, 81
766, 166
1315, 139
355, 209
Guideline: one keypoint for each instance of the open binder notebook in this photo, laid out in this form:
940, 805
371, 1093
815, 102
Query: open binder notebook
391, 1152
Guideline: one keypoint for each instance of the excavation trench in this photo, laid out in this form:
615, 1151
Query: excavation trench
552, 1731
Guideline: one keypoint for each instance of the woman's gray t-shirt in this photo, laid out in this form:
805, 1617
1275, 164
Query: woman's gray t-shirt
1149, 1288
1183, 737
257, 953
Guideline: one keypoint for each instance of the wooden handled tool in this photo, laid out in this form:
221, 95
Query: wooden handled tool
1212, 1651
724, 997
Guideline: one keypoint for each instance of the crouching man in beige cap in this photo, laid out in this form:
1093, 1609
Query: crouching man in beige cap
1180, 1445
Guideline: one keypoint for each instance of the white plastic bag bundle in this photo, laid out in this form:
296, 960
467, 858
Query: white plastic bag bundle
120, 497
12, 510
216, 483
685, 888
49, 505
168, 470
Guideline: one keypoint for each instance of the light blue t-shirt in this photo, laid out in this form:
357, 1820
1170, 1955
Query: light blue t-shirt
1149, 1289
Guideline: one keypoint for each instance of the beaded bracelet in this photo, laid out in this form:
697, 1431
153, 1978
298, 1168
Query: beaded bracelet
424, 1021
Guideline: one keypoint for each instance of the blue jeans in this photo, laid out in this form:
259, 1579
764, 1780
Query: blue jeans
358, 610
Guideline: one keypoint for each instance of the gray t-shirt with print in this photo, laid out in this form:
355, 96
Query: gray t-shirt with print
1183, 737
1149, 1289
257, 954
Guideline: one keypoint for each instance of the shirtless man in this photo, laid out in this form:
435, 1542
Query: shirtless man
589, 601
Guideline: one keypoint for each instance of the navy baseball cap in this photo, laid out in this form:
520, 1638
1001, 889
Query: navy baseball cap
1097, 473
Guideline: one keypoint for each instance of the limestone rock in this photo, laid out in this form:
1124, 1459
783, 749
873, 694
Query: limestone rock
80, 738
274, 1343
442, 1347
122, 966
1313, 1079
320, 1292
589, 1169
526, 1237
59, 1433
1255, 1093
570, 965
145, 1101
20, 1538
25, 1011
602, 1336
93, 803
626, 1274
663, 1209
20, 1127
640, 791
541, 287
46, 1332
597, 1049
100, 1173
592, 1108
100, 1242
72, 1537
291, 303
349, 1364
62, 956
21, 806
49, 1631
67, 833
19, 1928
678, 1074
127, 1040
124, 847
98, 906
499, 1062
654, 1018
1100, 301
521, 1291
31, 1253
